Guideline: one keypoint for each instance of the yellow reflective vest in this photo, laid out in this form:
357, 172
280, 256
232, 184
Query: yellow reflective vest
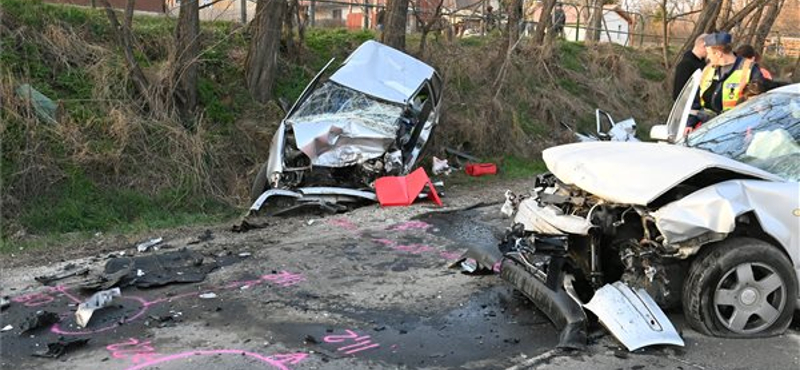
732, 87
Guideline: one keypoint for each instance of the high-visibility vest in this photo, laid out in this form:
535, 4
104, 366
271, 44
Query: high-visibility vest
732, 87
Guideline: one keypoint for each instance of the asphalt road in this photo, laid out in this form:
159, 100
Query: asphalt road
367, 290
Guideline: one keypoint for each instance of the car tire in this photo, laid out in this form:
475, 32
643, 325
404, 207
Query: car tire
740, 288
259, 184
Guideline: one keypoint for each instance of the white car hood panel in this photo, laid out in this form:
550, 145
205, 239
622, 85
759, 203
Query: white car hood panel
383, 72
634, 172
714, 209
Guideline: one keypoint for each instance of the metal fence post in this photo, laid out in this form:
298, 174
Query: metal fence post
244, 11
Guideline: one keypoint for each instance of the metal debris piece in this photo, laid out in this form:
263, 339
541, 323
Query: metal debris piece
208, 296
441, 167
245, 254
62, 346
49, 279
632, 317
152, 243
97, 301
462, 155
5, 302
6, 328
40, 319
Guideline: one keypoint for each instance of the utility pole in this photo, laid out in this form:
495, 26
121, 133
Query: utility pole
244, 12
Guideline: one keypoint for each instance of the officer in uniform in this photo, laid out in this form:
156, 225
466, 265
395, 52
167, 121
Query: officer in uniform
725, 76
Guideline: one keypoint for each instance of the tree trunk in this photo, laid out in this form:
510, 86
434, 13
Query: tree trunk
594, 30
771, 14
545, 21
514, 18
396, 16
796, 72
750, 28
665, 32
726, 8
124, 38
184, 66
288, 27
705, 23
742, 14
261, 64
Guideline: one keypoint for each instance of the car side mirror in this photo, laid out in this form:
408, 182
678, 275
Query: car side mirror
660, 133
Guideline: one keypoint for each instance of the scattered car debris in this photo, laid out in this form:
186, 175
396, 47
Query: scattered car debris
440, 167
6, 328
152, 243
5, 302
61, 346
204, 237
208, 295
461, 154
245, 254
97, 301
44, 108
481, 169
181, 266
622, 309
49, 279
39, 319
403, 190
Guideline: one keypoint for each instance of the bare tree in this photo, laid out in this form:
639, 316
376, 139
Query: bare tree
594, 30
124, 38
514, 19
184, 59
748, 31
261, 64
725, 11
705, 23
428, 21
767, 21
545, 21
396, 18
739, 16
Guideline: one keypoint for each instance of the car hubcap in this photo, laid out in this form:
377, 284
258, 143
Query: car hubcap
749, 298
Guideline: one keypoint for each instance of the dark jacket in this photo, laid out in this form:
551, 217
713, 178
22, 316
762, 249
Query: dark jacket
684, 69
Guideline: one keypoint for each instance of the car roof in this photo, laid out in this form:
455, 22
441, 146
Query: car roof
383, 72
793, 88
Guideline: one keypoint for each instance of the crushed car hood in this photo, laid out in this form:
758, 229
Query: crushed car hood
633, 172
383, 72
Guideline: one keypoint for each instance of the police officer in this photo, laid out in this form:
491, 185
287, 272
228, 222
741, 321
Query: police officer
725, 76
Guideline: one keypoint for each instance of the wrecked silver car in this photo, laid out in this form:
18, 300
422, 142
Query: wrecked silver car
371, 118
709, 220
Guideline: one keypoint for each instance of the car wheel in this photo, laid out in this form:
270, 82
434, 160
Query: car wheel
259, 184
740, 287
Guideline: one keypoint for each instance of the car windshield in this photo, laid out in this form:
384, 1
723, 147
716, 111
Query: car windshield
762, 132
334, 99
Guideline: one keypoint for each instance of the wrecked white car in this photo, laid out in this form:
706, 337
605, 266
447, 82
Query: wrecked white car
710, 220
372, 117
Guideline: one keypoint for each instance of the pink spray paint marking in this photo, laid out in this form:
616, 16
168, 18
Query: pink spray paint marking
282, 279
278, 361
133, 350
410, 225
416, 248
343, 223
362, 342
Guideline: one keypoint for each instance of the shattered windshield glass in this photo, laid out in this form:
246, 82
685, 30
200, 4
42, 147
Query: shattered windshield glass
762, 132
332, 100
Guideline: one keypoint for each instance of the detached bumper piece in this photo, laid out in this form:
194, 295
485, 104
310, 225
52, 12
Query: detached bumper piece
560, 308
278, 201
